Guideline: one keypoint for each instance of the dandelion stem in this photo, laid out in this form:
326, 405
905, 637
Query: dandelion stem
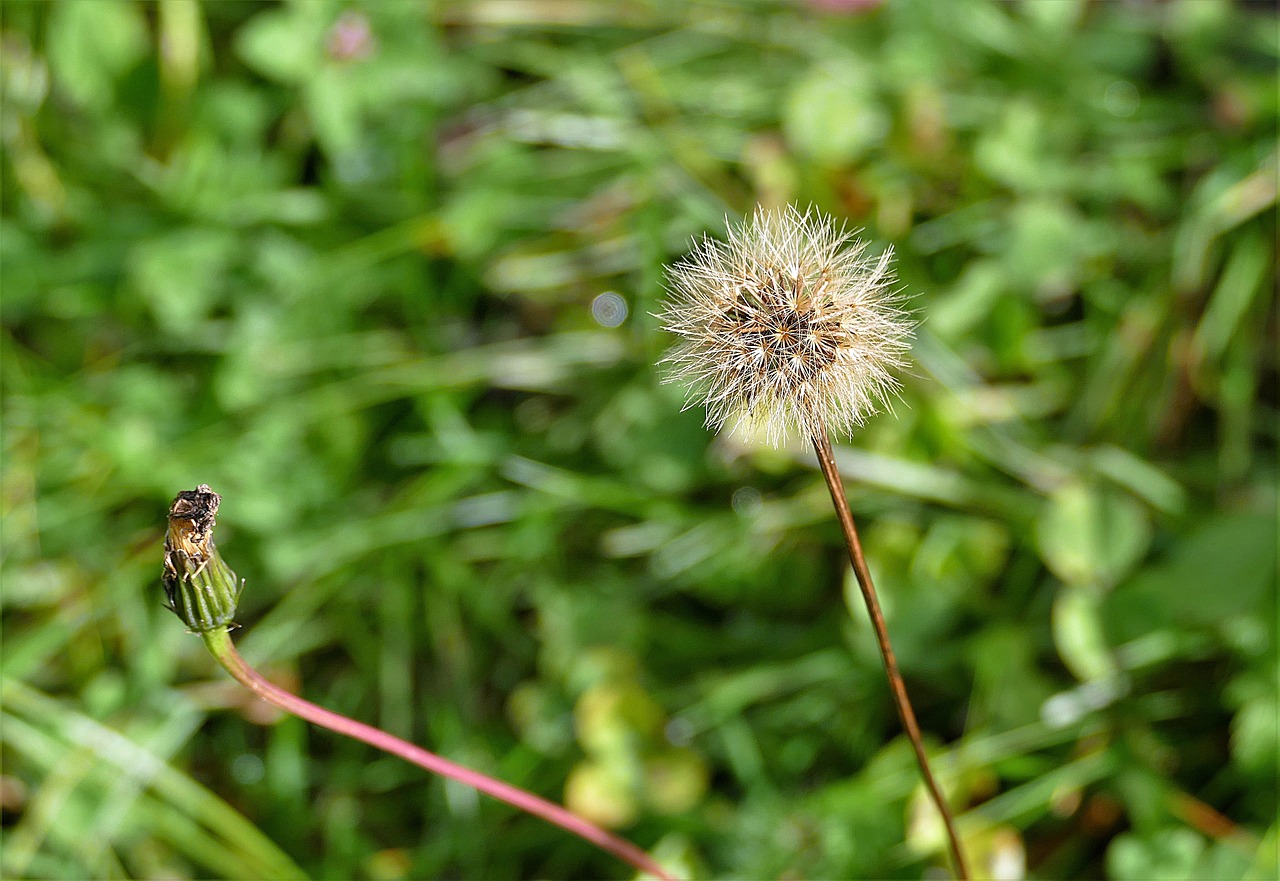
219, 643
826, 459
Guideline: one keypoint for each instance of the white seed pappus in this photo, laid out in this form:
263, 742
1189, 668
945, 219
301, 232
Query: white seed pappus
786, 325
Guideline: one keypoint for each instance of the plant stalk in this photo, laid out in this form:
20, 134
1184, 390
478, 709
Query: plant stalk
220, 645
827, 461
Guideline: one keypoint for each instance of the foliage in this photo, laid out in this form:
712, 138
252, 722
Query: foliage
340, 262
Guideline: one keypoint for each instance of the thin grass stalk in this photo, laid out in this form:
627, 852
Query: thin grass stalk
826, 459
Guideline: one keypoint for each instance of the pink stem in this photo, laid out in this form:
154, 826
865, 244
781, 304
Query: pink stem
219, 643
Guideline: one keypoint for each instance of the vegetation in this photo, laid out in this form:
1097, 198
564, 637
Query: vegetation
383, 274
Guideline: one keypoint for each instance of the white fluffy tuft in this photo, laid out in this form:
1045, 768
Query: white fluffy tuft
786, 325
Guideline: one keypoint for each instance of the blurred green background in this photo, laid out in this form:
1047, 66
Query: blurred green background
382, 274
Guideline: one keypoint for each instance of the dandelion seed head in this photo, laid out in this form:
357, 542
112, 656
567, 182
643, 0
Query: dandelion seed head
786, 325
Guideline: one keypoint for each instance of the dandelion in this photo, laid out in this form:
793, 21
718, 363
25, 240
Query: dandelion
787, 325
202, 590
790, 325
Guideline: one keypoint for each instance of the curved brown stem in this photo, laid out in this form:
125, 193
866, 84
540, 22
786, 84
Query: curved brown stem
827, 461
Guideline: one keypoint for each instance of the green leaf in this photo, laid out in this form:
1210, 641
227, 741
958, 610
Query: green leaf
285, 44
92, 44
1174, 855
181, 275
1255, 734
1091, 534
833, 116
1223, 569
1078, 633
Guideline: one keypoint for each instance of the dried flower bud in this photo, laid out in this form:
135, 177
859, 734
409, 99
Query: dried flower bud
786, 325
201, 589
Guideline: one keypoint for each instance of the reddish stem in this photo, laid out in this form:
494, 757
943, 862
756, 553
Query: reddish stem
827, 461
219, 643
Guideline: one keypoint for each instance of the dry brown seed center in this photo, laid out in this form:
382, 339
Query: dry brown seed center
781, 337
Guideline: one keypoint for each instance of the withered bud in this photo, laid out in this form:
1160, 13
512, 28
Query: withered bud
201, 589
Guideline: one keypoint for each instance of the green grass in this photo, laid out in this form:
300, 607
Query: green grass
353, 294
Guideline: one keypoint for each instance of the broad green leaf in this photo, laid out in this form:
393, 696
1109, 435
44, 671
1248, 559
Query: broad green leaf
1092, 534
92, 44
833, 115
1224, 568
285, 44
